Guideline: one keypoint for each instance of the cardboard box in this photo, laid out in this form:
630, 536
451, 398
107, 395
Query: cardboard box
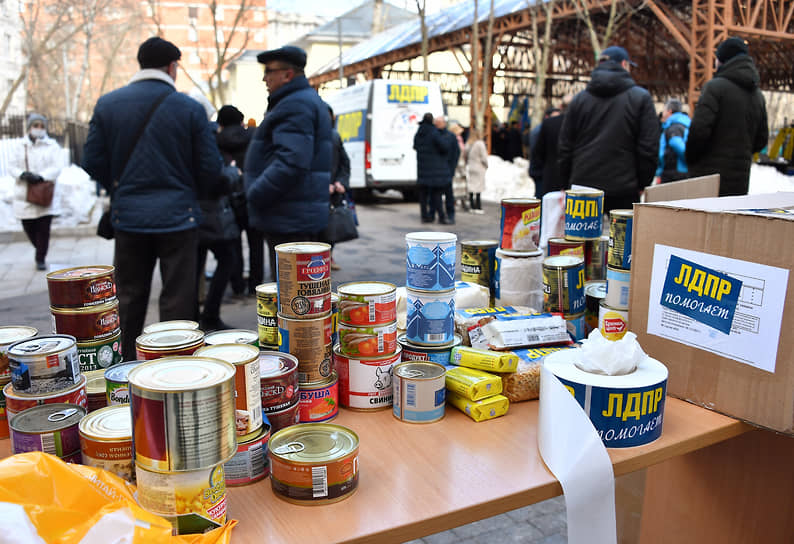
712, 299
702, 187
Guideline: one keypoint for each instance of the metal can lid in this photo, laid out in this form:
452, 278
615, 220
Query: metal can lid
14, 333
231, 336
313, 443
584, 191
175, 324
47, 418
480, 243
274, 363
101, 342
431, 236
562, 261
396, 355
94, 271
109, 423
84, 310
404, 343
621, 213
363, 288
169, 339
267, 289
517, 253
595, 288
95, 382
566, 242
118, 373
180, 373
236, 354
302, 247
419, 370
519, 201
42, 345
261, 434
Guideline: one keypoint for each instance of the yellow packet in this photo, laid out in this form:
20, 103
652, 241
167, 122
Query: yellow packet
483, 359
472, 384
480, 410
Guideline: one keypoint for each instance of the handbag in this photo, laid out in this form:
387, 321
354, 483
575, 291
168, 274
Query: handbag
219, 222
39, 191
341, 224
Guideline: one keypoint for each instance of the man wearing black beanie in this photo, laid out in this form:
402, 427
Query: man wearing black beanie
152, 148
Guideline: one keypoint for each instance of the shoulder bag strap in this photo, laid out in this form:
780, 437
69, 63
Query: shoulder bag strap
141, 129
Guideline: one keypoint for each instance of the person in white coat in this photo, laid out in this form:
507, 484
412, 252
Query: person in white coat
477, 163
37, 157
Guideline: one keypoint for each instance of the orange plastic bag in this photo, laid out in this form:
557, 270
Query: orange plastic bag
60, 503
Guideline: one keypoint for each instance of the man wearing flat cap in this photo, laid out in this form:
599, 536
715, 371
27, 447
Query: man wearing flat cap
610, 134
152, 148
288, 164
730, 121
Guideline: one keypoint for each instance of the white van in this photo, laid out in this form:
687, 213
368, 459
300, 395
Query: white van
377, 121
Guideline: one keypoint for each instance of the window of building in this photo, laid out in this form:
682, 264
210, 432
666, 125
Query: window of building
219, 13
192, 12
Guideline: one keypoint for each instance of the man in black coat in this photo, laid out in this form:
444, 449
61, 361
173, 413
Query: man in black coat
453, 154
543, 165
730, 121
432, 168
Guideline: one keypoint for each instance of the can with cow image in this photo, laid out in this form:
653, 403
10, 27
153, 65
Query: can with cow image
365, 383
310, 341
304, 279
81, 286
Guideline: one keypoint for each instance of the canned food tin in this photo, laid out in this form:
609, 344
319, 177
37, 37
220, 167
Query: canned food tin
278, 379
563, 246
17, 402
518, 278
430, 317
51, 428
250, 464
314, 464
612, 322
267, 314
182, 413
583, 210
192, 501
334, 319
99, 354
106, 440
81, 286
477, 259
368, 341
118, 391
437, 354
576, 326
319, 401
563, 284
365, 383
95, 389
4, 431
620, 227
232, 336
247, 392
595, 258
618, 288
310, 341
285, 417
419, 391
365, 303
167, 343
520, 224
304, 279
175, 324
88, 323
430, 260
594, 293
9, 335
44, 364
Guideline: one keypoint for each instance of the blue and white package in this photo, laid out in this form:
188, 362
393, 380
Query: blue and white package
430, 260
430, 317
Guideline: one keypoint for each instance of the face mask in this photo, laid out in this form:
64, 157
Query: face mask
38, 133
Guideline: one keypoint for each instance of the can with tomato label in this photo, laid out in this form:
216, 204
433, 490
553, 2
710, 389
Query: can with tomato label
368, 341
319, 401
365, 303
304, 279
81, 286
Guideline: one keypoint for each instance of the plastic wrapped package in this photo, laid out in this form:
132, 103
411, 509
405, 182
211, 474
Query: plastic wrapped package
519, 279
470, 317
480, 410
524, 383
471, 383
471, 295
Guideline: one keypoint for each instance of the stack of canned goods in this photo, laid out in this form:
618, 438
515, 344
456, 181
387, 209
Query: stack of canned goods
517, 274
9, 335
161, 340
613, 312
83, 304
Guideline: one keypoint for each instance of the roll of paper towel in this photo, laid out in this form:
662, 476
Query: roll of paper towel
518, 279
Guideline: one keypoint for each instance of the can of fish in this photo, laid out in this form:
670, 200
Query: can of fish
334, 318
612, 322
583, 210
618, 292
51, 428
3, 413
430, 261
247, 389
278, 380
520, 224
232, 336
368, 341
182, 413
285, 417
319, 401
95, 389
563, 246
563, 284
365, 382
99, 354
118, 390
620, 227
594, 293
81, 286
576, 326
250, 464
106, 440
167, 343
366, 303
595, 258
267, 314
88, 323
419, 391
9, 335
477, 260
304, 279
17, 402
310, 341
437, 354
174, 324
314, 464
430, 317
193, 501
44, 364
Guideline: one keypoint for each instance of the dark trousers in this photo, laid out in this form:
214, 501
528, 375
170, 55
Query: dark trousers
236, 275
224, 254
38, 232
256, 258
437, 202
426, 209
474, 201
276, 238
449, 201
135, 256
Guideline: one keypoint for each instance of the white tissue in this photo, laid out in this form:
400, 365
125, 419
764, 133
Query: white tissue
613, 358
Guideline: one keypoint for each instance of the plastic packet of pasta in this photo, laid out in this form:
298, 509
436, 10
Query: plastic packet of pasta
471, 383
480, 410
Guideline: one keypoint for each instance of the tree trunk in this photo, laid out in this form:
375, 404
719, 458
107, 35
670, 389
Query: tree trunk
421, 7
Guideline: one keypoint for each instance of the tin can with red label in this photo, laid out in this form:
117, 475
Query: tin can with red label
319, 401
309, 340
366, 303
285, 417
304, 279
563, 246
166, 343
520, 224
17, 402
250, 464
44, 364
365, 383
89, 322
368, 341
278, 378
81, 286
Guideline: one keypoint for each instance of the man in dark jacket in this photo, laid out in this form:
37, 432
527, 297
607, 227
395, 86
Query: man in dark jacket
288, 164
452, 157
610, 135
543, 165
730, 121
432, 168
154, 194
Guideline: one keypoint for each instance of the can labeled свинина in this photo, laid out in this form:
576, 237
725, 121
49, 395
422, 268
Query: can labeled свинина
304, 279
95, 390
314, 464
430, 317
232, 336
81, 286
17, 402
367, 303
182, 413
419, 391
319, 401
563, 246
563, 284
44, 364
106, 441
50, 428
285, 417
595, 258
250, 464
437, 354
368, 341
267, 314
583, 210
620, 228
99, 354
594, 293
612, 322
88, 323
618, 288
168, 343
9, 335
278, 379
365, 383
520, 224
118, 390
310, 341
430, 260
477, 260
174, 324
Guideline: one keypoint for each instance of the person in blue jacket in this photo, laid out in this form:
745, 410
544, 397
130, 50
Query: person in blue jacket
288, 164
672, 143
154, 194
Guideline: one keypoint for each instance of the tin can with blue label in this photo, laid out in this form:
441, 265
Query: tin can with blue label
419, 391
577, 328
430, 260
620, 226
583, 210
430, 317
563, 284
618, 283
437, 354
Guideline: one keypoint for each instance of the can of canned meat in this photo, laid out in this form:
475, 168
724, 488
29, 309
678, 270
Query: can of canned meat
520, 224
175, 324
419, 391
99, 354
167, 343
232, 336
250, 464
437, 354
88, 323
319, 401
44, 364
366, 303
368, 341
365, 383
81, 286
304, 279
278, 379
310, 341
17, 402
